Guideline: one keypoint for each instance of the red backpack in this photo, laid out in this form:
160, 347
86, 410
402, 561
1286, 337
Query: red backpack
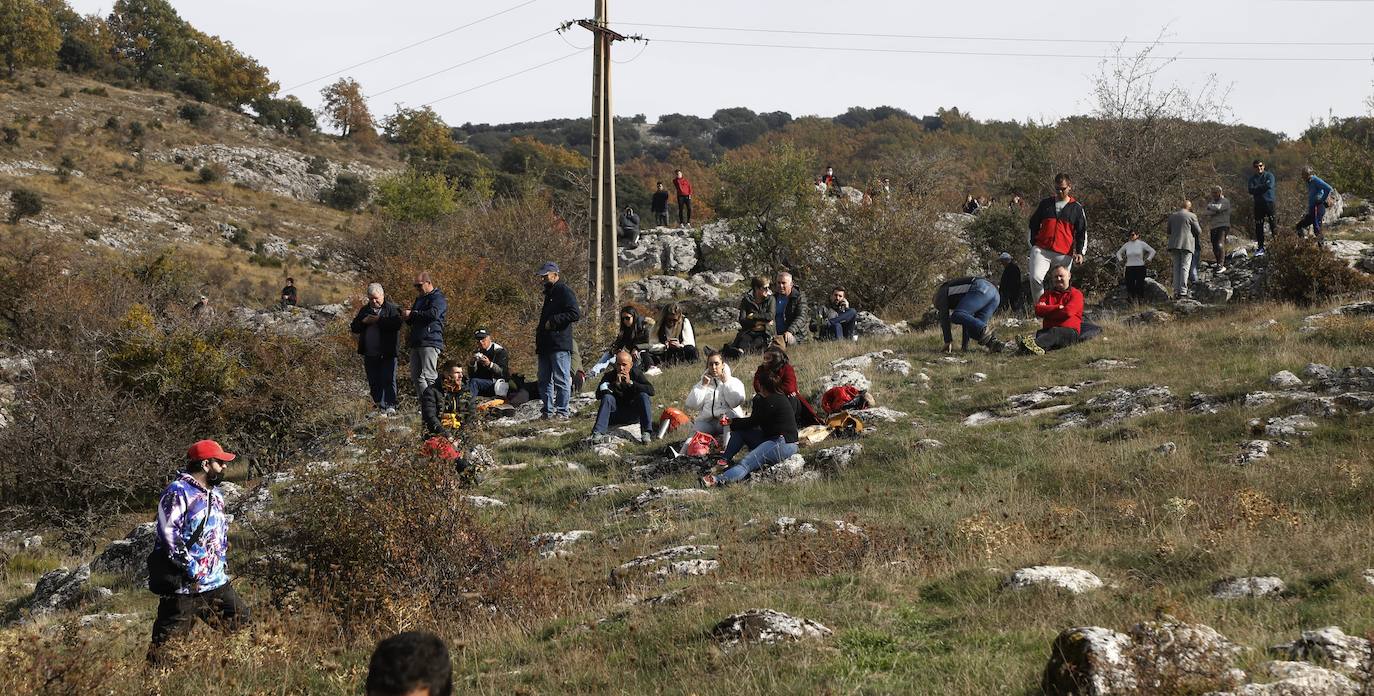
836, 398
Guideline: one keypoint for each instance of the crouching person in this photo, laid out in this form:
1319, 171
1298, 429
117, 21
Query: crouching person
190, 572
970, 303
446, 406
1061, 312
718, 394
770, 433
624, 394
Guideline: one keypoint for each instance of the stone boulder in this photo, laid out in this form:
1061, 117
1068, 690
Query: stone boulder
1253, 451
719, 247
790, 470
839, 457
660, 250
868, 324
878, 414
1153, 657
787, 526
556, 544
1074, 580
129, 556
675, 561
1350, 654
1283, 427
1118, 298
843, 376
1147, 317
1089, 661
1283, 379
61, 589
658, 289
1213, 291
483, 502
766, 626
1297, 679
1117, 405
1247, 588
656, 494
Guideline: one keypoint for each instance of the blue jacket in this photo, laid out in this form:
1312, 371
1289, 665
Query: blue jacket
1317, 191
427, 320
556, 319
1262, 186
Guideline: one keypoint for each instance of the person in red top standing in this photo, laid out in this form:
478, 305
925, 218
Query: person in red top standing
1058, 233
684, 199
1061, 312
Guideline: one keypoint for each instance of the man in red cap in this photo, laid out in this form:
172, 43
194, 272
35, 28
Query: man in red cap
193, 533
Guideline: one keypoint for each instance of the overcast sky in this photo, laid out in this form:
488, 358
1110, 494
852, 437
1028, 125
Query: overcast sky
302, 40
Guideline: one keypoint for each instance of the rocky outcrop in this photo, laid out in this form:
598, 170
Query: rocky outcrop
788, 526
1073, 580
660, 250
62, 589
675, 561
1248, 587
1117, 405
766, 626
839, 457
1297, 679
272, 170
1351, 655
719, 247
1153, 657
1253, 451
556, 544
129, 556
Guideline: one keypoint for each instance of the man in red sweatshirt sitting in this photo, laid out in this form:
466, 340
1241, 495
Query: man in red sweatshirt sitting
1061, 312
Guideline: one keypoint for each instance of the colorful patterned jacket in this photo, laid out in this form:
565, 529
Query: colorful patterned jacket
179, 512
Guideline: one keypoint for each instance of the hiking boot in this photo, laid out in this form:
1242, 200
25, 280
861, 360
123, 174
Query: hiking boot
1029, 345
989, 340
646, 438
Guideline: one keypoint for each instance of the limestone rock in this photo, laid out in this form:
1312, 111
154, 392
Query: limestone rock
1349, 654
599, 491
1248, 587
978, 377
879, 414
897, 367
660, 250
839, 457
1149, 316
1284, 427
688, 568
1117, 405
482, 501
649, 565
1186, 306
1089, 661
1297, 679
1075, 580
1283, 379
785, 526
790, 470
1152, 655
657, 493
719, 247
843, 376
1166, 449
129, 556
1258, 399
60, 589
1199, 402
766, 626
657, 289
868, 324
556, 544
925, 444
1253, 451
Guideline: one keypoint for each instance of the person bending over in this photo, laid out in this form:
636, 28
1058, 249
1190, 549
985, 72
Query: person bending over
970, 303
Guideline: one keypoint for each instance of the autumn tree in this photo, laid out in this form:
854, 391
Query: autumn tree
150, 35
29, 37
345, 108
427, 141
234, 79
767, 199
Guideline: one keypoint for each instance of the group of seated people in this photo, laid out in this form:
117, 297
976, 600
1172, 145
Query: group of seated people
781, 309
970, 302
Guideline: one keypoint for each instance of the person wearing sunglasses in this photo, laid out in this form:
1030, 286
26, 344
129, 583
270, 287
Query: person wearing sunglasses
1058, 233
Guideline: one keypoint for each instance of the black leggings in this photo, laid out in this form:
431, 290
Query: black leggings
1219, 242
1135, 282
1056, 337
684, 210
176, 615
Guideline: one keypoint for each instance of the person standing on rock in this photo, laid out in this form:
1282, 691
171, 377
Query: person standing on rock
1184, 231
1218, 225
193, 532
1135, 253
755, 317
629, 227
288, 294
1061, 315
970, 303
716, 395
683, 187
624, 393
1058, 233
377, 325
1262, 187
1318, 192
769, 431
414, 663
426, 319
490, 363
1009, 285
792, 313
553, 342
659, 205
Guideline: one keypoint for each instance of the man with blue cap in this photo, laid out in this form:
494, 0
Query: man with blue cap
553, 342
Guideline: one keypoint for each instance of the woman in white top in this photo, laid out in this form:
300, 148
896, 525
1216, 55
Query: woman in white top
1136, 253
676, 341
716, 394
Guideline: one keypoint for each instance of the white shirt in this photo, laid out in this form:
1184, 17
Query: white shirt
1134, 253
1059, 205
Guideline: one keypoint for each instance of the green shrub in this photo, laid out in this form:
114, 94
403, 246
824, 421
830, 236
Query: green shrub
211, 173
349, 192
996, 230
112, 123
318, 165
195, 114
11, 135
24, 203
412, 196
1301, 272
96, 91
65, 167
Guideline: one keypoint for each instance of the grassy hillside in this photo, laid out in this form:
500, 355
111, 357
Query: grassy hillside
915, 602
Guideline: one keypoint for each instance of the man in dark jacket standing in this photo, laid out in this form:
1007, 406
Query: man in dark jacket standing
1058, 233
426, 319
1262, 187
553, 342
659, 204
684, 199
1009, 287
624, 394
377, 325
792, 313
491, 362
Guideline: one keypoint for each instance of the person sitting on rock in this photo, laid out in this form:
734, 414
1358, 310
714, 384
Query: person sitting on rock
490, 363
288, 294
1061, 312
969, 302
632, 336
446, 406
837, 317
755, 318
629, 228
414, 663
776, 362
716, 395
677, 343
769, 431
791, 313
1135, 253
624, 395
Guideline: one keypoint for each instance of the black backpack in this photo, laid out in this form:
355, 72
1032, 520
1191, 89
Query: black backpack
165, 578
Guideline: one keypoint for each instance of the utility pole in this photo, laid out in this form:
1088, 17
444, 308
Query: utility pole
604, 277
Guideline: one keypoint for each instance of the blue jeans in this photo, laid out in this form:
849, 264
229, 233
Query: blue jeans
381, 380
975, 309
611, 412
555, 382
480, 386
766, 453
739, 439
839, 326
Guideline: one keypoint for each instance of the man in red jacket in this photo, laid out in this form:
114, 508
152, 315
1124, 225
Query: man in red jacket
1061, 312
1058, 233
684, 199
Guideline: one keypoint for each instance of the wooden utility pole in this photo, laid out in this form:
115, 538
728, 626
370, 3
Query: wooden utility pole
605, 273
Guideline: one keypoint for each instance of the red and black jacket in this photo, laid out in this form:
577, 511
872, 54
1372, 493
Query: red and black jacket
1064, 231
1070, 317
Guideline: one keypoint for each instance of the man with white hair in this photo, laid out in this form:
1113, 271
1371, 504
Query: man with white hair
377, 325
792, 313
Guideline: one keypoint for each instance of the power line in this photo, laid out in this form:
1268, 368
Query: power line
407, 47
857, 49
1025, 39
504, 77
459, 65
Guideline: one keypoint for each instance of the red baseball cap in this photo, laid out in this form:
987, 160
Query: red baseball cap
208, 449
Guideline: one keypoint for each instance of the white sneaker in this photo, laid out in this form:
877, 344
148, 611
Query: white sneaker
654, 371
1259, 252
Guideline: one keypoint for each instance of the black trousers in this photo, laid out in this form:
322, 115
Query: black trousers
1264, 211
684, 210
221, 608
661, 217
1135, 282
1056, 338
